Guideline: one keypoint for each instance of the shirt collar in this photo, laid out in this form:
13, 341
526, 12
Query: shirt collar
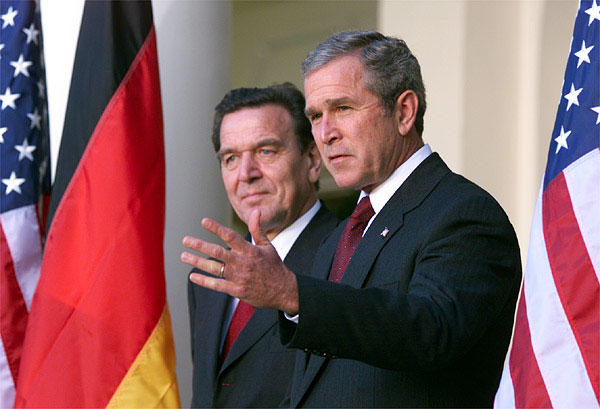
384, 192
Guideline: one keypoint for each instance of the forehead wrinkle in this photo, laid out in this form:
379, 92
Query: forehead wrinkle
337, 101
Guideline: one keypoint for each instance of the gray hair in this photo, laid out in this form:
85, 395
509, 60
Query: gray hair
390, 68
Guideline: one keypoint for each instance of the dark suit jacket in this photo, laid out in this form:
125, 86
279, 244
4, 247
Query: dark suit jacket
423, 314
258, 369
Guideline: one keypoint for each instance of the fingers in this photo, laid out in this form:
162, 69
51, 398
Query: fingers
210, 266
211, 283
210, 249
255, 230
229, 236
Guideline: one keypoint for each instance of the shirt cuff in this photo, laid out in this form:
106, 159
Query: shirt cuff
294, 319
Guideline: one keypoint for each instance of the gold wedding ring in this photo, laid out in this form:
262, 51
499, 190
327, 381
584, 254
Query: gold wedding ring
222, 272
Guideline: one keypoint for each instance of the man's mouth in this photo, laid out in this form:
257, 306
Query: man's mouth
253, 195
338, 157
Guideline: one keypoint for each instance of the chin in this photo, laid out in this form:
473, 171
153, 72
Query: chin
347, 182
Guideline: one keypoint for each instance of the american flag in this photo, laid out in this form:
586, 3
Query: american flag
23, 165
555, 357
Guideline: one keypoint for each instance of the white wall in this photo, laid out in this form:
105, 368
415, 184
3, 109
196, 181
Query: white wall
435, 32
193, 49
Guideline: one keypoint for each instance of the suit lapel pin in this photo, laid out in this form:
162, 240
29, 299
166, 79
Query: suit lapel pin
384, 232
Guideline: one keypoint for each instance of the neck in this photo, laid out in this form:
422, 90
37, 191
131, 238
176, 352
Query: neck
409, 147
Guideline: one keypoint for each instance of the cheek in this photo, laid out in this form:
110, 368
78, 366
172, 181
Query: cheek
280, 184
370, 141
283, 182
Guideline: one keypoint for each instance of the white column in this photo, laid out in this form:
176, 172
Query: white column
194, 53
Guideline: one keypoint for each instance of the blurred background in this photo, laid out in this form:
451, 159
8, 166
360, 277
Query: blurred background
493, 72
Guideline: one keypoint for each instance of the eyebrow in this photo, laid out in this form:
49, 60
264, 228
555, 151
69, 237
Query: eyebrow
308, 112
260, 144
329, 103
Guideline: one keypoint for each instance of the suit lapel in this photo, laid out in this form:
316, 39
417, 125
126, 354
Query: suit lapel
261, 321
216, 308
324, 257
309, 240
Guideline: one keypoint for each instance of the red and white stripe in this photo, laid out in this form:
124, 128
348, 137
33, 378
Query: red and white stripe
21, 257
555, 356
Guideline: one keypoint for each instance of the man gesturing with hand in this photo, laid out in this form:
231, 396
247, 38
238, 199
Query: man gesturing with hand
235, 274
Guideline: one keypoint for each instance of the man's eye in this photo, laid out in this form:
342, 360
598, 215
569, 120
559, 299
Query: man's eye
228, 160
315, 117
266, 152
343, 108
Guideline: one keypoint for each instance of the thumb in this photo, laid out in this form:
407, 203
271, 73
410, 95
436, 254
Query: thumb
257, 233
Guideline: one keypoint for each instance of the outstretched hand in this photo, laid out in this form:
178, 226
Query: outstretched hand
253, 273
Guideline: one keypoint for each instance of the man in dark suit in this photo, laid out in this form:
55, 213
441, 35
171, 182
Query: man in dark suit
269, 162
411, 301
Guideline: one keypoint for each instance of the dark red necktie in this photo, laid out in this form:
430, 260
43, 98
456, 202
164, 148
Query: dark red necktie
240, 317
351, 236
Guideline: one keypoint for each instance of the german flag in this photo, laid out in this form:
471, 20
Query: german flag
99, 331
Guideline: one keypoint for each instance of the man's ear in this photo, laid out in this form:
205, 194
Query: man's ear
406, 111
314, 164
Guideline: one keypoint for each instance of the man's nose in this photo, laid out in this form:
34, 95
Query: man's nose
328, 130
249, 167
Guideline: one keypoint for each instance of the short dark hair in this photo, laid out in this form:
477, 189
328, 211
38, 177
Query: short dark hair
389, 65
285, 95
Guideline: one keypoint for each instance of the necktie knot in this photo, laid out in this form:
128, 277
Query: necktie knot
363, 211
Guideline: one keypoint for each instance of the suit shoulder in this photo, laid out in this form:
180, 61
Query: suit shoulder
434, 178
459, 189
303, 252
317, 229
459, 202
325, 217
